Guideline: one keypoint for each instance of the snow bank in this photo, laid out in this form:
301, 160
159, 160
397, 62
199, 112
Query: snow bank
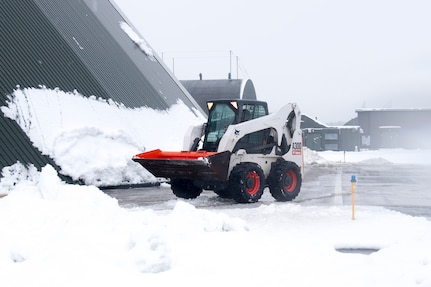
55, 234
93, 139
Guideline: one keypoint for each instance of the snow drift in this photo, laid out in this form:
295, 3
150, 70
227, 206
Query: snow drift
93, 139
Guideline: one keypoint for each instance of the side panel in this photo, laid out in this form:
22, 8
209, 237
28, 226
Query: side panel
276, 121
264, 161
295, 153
288, 138
192, 133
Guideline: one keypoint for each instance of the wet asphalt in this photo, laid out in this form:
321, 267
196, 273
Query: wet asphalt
403, 188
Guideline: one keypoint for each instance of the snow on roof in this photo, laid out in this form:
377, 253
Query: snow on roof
389, 127
142, 44
315, 120
325, 126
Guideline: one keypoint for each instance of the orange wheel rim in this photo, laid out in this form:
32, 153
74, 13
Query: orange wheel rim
290, 181
252, 183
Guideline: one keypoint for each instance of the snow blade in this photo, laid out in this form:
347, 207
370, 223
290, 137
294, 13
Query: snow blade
195, 165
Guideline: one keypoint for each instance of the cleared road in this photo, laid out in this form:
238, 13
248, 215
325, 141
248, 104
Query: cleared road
405, 188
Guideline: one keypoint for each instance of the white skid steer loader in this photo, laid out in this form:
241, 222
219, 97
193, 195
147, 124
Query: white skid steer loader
237, 153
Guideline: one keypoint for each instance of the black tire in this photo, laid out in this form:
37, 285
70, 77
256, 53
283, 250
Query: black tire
223, 193
246, 183
284, 180
184, 188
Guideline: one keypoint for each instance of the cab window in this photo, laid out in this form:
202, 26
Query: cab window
252, 111
219, 118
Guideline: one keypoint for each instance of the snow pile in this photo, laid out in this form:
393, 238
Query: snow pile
313, 157
93, 139
55, 234
15, 174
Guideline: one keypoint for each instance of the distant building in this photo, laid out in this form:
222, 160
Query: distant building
320, 137
372, 129
395, 128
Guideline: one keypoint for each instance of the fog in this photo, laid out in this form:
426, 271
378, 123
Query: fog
330, 57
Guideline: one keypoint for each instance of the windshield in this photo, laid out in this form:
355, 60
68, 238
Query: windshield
219, 118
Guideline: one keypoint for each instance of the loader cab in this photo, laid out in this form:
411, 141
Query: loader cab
223, 113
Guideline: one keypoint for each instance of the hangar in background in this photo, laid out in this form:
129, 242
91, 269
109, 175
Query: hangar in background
395, 128
204, 90
76, 45
320, 137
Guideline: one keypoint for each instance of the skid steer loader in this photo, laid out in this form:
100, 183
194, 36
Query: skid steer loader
239, 151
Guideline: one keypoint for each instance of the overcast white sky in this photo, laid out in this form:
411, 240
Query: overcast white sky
330, 57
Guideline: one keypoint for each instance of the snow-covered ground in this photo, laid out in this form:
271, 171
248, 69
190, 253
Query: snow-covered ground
57, 234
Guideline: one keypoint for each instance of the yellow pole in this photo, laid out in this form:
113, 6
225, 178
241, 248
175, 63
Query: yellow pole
353, 181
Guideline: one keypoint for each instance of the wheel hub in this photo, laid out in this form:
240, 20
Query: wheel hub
287, 181
252, 183
249, 183
290, 181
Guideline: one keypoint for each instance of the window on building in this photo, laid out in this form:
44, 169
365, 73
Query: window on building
331, 136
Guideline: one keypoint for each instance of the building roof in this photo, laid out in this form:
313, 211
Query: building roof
308, 122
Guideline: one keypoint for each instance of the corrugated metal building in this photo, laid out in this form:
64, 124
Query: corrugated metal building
342, 138
320, 137
204, 90
75, 45
395, 128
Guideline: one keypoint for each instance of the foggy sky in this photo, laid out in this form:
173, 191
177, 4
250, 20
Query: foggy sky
331, 57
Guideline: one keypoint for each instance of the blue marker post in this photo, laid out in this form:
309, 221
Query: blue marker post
353, 181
